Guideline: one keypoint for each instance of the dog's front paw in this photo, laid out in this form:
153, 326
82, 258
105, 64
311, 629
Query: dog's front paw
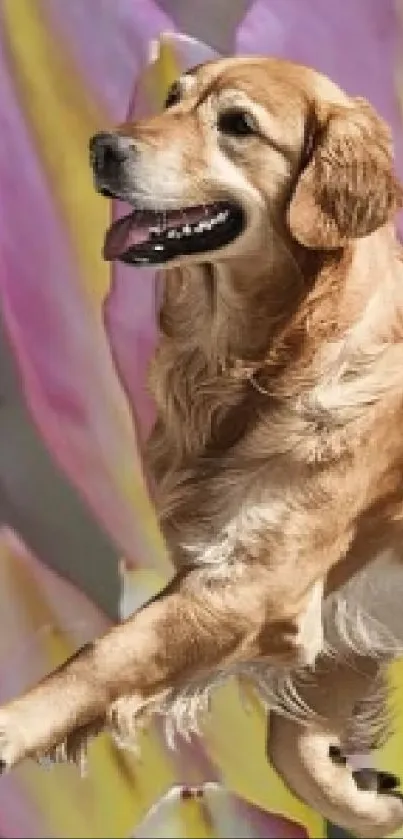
13, 744
28, 730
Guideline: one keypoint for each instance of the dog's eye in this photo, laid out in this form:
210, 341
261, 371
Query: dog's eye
173, 96
237, 123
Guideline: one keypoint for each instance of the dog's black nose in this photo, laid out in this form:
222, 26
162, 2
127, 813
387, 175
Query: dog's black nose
108, 151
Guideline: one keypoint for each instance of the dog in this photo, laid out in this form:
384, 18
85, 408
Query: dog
267, 197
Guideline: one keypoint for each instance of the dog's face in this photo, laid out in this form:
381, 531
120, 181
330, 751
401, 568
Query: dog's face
245, 150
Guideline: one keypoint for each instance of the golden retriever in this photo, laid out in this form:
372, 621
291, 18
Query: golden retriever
268, 197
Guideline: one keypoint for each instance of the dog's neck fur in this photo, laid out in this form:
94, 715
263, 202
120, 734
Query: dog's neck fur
221, 326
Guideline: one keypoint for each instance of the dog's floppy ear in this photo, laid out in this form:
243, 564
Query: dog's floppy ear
348, 188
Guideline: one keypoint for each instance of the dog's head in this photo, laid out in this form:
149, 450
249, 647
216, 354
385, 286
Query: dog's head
246, 148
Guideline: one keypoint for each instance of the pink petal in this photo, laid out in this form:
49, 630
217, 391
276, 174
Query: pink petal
66, 368
110, 62
225, 814
37, 607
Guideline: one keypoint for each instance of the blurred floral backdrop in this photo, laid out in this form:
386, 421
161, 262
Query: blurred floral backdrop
79, 544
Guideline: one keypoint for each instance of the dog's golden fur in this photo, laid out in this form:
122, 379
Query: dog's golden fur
277, 454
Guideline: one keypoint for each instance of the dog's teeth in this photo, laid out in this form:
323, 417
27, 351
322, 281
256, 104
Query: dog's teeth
205, 224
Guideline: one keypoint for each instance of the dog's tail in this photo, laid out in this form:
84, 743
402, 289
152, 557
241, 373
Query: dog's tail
310, 762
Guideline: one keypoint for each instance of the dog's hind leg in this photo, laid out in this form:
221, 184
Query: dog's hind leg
312, 759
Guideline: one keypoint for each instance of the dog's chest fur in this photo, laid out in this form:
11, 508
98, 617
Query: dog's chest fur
222, 455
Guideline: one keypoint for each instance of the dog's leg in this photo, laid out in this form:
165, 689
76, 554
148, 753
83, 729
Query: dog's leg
311, 758
198, 623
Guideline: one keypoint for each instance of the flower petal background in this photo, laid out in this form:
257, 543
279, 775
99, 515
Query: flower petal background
67, 69
227, 815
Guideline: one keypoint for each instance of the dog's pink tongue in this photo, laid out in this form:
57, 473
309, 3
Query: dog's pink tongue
124, 234
135, 228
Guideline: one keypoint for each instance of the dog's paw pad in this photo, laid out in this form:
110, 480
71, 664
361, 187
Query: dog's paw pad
371, 779
387, 782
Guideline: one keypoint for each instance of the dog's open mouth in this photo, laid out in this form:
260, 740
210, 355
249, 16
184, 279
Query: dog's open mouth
151, 236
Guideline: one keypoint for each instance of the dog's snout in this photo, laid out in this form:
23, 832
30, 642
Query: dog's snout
109, 151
